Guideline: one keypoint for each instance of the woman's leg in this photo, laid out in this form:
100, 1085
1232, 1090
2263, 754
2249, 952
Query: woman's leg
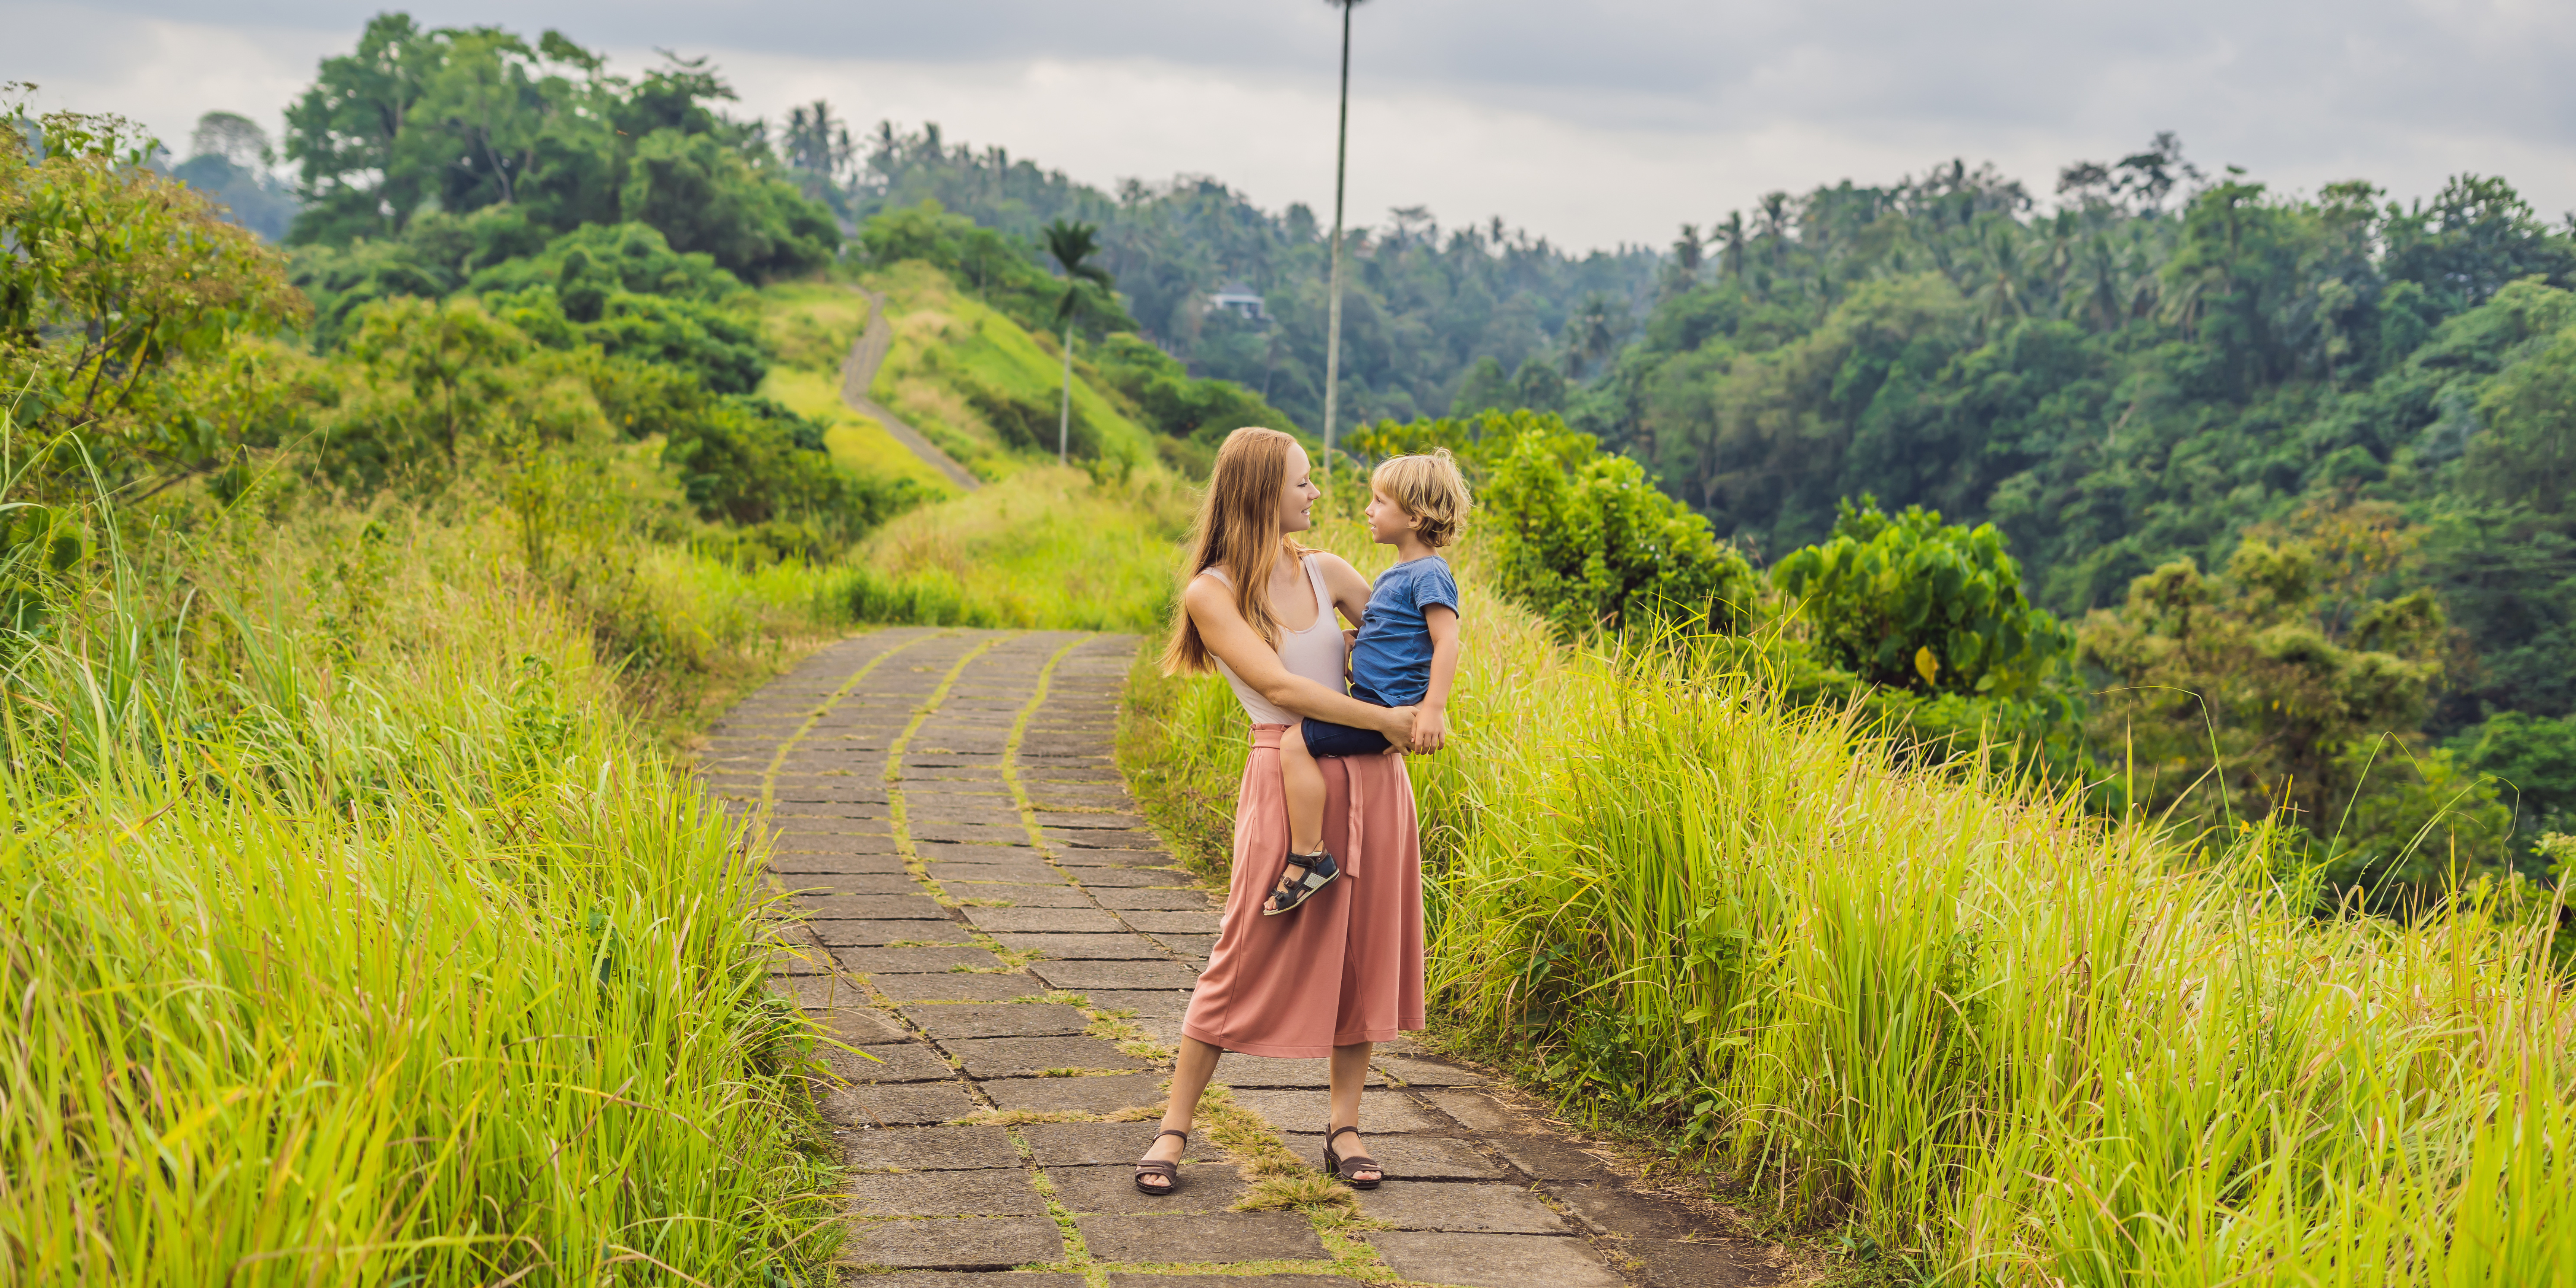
1189, 1078
1350, 1074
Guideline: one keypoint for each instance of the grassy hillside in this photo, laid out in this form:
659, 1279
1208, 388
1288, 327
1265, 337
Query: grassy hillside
1048, 547
811, 326
1973, 1034
982, 388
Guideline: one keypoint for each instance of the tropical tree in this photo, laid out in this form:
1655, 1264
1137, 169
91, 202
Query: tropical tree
1073, 244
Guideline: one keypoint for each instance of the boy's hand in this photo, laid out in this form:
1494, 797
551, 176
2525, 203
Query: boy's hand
1430, 729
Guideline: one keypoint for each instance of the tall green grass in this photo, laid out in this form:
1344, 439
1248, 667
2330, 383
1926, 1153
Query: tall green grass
1981, 1035
355, 935
1049, 547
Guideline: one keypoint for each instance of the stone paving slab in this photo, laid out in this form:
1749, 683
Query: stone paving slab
819, 991
930, 1149
1099, 1095
1081, 976
975, 891
1479, 1112
1024, 1020
999, 1192
892, 1062
914, 961
1414, 1157
1177, 923
1495, 1260
955, 1243
1096, 1144
1426, 1073
1217, 1237
1462, 1207
1028, 1057
1108, 879
877, 883
895, 1104
1046, 921
1157, 900
1235, 1069
879, 934
958, 987
929, 757
1120, 947
1306, 1110
1196, 949
857, 1024
1111, 1190
869, 907
1547, 1158
1130, 1279
1023, 866
958, 852
961, 1279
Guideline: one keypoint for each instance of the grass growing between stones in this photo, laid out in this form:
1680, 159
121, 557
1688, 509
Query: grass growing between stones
1966, 1030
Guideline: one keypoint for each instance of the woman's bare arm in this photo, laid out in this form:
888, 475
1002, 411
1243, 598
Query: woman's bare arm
1211, 606
1349, 589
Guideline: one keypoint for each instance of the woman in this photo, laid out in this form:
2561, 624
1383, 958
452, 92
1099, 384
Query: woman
1346, 971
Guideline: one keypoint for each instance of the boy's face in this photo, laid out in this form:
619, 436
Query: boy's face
1388, 523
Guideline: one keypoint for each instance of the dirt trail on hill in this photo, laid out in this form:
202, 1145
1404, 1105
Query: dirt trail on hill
971, 879
859, 370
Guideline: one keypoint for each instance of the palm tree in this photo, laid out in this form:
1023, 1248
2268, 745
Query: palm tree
1333, 323
1731, 235
1072, 244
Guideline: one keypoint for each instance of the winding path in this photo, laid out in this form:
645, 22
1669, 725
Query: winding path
859, 370
982, 913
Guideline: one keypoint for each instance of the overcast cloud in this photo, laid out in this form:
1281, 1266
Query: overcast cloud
1593, 124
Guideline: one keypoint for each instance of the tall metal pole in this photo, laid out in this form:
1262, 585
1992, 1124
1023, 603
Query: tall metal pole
1333, 327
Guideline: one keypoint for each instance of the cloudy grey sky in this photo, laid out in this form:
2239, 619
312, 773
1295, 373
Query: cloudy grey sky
1591, 123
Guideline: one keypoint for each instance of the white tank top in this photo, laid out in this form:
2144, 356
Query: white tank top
1315, 652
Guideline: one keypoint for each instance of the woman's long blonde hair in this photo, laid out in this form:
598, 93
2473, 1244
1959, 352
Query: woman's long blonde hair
1238, 530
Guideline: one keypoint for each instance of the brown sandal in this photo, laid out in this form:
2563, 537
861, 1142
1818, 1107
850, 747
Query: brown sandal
1170, 1172
1346, 1170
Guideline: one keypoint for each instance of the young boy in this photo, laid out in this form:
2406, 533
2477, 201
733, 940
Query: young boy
1406, 654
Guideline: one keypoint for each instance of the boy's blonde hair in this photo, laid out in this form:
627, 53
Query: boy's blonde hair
1430, 489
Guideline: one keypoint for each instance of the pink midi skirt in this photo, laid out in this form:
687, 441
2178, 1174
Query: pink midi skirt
1347, 966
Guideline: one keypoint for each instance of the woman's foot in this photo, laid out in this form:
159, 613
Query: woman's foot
1346, 1158
1167, 1150
1304, 876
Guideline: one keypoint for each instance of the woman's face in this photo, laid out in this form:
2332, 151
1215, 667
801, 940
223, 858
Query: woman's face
1297, 501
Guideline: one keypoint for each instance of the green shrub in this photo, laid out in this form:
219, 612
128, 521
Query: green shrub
1910, 602
1586, 540
752, 461
1175, 403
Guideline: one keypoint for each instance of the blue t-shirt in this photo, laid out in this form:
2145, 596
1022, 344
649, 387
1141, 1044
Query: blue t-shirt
1391, 661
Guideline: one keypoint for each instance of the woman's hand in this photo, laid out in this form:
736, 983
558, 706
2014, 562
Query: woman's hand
1396, 723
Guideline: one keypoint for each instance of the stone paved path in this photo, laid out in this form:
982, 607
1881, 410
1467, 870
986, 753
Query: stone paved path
983, 912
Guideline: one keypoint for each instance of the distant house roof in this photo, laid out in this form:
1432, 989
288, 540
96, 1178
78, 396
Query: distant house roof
1238, 298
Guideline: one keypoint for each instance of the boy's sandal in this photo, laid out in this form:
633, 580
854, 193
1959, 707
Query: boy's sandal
1347, 1170
1169, 1171
1292, 891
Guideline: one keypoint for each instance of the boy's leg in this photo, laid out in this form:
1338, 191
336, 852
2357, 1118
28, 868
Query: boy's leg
1304, 780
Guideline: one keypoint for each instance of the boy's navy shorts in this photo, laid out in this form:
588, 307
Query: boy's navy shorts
1327, 739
